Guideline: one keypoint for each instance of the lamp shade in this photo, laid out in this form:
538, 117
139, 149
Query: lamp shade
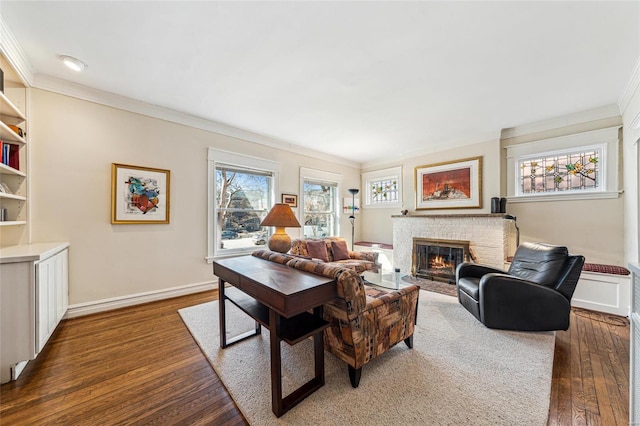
280, 216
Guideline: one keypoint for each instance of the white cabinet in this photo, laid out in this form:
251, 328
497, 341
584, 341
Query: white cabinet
33, 299
51, 295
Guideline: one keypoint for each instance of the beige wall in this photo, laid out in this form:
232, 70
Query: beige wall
377, 222
592, 228
72, 146
631, 160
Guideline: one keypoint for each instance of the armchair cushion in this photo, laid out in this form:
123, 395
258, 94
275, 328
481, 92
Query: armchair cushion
540, 263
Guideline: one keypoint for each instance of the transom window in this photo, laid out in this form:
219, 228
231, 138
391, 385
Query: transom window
577, 166
383, 188
570, 171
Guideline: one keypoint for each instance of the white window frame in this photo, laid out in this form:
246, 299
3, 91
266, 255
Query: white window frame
367, 181
228, 158
320, 176
606, 140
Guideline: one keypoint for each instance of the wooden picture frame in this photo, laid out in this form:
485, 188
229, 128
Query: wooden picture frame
290, 199
139, 195
449, 185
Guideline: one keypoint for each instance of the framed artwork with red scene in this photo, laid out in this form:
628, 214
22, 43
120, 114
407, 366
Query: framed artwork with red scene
451, 185
139, 195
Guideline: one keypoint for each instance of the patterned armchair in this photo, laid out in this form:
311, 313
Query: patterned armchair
335, 251
365, 322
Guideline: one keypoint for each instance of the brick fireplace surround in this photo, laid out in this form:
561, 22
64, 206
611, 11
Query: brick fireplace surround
488, 236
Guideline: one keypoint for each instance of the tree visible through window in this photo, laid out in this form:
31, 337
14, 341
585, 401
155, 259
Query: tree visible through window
242, 201
320, 209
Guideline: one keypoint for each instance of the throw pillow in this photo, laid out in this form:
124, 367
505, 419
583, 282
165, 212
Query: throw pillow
339, 250
318, 250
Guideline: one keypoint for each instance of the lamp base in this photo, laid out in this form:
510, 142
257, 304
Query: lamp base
280, 242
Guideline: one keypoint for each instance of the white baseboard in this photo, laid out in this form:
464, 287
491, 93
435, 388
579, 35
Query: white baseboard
103, 305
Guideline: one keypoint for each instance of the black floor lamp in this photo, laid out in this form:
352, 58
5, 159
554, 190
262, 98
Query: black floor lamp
352, 218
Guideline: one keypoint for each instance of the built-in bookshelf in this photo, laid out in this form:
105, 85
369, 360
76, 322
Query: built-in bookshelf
13, 156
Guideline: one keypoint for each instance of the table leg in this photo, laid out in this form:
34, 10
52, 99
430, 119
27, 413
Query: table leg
276, 366
221, 314
318, 349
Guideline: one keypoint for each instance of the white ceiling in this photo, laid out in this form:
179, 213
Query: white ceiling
367, 81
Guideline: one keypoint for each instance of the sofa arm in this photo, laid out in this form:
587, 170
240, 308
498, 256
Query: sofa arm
371, 256
475, 270
509, 302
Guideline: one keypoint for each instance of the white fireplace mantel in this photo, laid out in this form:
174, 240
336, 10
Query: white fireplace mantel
489, 236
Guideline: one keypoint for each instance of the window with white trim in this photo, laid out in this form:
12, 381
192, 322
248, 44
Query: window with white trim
241, 192
383, 188
582, 165
320, 203
572, 170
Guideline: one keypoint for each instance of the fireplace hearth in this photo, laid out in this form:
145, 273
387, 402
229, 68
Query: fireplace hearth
437, 259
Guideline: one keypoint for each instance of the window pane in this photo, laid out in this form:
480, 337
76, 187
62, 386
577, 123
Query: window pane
383, 191
572, 171
242, 201
320, 209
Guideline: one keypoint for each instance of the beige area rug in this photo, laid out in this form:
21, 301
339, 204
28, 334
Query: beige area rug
458, 373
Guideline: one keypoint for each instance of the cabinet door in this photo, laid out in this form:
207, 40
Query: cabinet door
45, 301
52, 296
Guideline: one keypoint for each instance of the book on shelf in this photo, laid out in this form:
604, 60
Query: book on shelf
5, 153
10, 155
14, 156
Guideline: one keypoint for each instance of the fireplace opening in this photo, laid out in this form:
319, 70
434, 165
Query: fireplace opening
438, 259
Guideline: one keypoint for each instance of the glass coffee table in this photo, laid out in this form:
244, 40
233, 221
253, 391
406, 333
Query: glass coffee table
386, 280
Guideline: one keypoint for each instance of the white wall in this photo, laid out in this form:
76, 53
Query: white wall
377, 222
631, 160
72, 145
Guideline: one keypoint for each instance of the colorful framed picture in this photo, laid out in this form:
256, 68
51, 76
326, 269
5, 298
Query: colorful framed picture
290, 199
139, 195
450, 185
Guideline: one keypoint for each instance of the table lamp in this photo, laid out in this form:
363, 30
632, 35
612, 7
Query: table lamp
280, 216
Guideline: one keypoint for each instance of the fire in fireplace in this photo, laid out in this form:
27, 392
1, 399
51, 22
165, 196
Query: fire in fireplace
438, 259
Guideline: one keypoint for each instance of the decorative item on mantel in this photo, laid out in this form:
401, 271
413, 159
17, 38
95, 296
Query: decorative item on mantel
498, 205
404, 212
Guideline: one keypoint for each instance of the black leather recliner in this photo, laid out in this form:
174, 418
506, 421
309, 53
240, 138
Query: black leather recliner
534, 295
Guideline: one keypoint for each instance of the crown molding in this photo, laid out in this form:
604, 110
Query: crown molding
15, 55
67, 88
600, 113
631, 88
444, 146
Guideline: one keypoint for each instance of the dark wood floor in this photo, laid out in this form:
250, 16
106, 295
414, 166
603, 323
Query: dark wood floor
139, 365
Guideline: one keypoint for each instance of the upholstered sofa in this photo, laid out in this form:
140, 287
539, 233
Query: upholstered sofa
364, 322
334, 250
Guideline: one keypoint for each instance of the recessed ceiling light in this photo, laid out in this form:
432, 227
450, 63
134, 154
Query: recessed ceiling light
73, 63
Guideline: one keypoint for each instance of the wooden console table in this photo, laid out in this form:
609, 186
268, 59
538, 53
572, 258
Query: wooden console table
279, 298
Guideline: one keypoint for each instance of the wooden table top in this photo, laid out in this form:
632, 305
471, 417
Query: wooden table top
286, 290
